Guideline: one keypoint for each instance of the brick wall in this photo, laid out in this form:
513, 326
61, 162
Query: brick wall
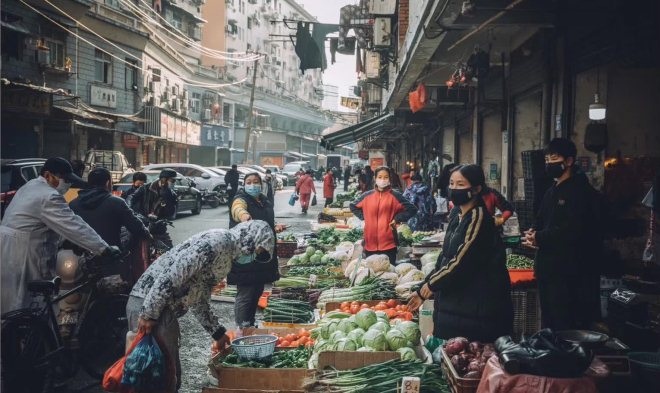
403, 20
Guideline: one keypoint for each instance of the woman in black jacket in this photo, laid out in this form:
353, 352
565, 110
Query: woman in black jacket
248, 274
470, 283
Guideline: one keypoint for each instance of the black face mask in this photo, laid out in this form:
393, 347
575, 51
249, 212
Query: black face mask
555, 169
460, 196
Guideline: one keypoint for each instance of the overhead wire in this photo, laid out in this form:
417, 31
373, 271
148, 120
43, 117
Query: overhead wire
131, 64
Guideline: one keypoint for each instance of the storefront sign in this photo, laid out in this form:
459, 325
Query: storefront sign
350, 102
214, 135
102, 96
26, 101
130, 141
272, 160
179, 130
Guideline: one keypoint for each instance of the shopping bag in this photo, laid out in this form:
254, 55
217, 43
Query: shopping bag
314, 200
293, 199
145, 367
113, 375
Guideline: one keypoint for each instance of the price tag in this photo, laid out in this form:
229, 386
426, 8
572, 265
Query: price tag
312, 280
410, 385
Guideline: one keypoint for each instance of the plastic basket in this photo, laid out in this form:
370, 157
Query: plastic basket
526, 312
254, 347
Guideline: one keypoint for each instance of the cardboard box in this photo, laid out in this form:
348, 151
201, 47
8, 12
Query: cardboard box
350, 360
262, 378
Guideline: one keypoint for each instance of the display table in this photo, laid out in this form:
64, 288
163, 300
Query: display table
495, 380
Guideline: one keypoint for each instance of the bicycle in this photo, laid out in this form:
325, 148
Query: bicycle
36, 356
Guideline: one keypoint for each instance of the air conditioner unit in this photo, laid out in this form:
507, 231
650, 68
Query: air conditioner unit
43, 57
176, 105
382, 32
207, 114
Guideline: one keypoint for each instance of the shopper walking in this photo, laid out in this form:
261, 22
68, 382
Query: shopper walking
368, 177
305, 187
470, 284
251, 204
419, 194
347, 177
492, 200
329, 186
231, 180
183, 278
566, 265
381, 209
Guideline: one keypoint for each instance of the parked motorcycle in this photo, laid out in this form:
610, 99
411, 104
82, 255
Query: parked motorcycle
210, 198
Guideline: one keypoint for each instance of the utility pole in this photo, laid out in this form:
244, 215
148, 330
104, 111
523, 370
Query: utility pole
248, 130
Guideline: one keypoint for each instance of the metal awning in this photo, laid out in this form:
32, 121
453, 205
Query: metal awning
294, 154
92, 125
83, 114
308, 155
356, 132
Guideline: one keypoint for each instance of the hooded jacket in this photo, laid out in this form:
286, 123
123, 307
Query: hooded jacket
378, 209
107, 214
30, 233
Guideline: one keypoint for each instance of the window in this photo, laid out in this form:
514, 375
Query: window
55, 54
102, 66
226, 113
249, 23
131, 75
28, 173
195, 102
112, 3
177, 21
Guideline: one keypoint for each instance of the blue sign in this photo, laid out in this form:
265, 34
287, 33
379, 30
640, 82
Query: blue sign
214, 135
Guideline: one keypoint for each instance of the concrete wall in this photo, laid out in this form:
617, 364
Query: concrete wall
465, 155
448, 144
492, 147
213, 34
527, 134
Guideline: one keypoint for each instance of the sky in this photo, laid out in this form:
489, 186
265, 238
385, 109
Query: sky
342, 73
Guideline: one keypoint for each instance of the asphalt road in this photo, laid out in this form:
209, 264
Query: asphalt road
195, 342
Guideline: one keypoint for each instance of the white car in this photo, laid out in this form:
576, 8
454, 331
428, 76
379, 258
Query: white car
275, 170
204, 178
292, 168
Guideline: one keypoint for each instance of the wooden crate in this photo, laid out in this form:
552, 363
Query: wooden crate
456, 383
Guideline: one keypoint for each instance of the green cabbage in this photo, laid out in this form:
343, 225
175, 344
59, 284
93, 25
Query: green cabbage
380, 325
325, 259
328, 328
321, 345
337, 335
356, 335
346, 325
344, 344
396, 339
382, 315
365, 349
410, 330
407, 354
315, 259
404, 230
310, 251
375, 339
365, 318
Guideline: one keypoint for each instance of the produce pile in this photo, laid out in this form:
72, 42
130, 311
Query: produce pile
289, 237
371, 288
407, 237
329, 237
392, 308
366, 331
312, 256
405, 276
288, 311
468, 358
294, 358
345, 197
294, 340
379, 378
514, 261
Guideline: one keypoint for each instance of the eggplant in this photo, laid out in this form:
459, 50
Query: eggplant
475, 346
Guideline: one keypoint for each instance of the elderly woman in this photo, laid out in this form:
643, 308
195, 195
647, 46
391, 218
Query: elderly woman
183, 277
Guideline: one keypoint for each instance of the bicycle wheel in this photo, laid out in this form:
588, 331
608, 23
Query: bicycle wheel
26, 368
103, 334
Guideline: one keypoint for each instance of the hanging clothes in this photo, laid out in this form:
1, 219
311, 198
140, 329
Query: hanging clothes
306, 49
318, 35
346, 13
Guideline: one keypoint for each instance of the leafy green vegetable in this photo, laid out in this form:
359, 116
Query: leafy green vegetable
365, 318
396, 339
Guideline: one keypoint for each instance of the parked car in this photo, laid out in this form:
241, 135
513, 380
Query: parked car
188, 196
279, 184
205, 179
292, 168
275, 171
15, 173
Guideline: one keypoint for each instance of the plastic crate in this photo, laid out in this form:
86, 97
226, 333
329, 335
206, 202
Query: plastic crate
254, 347
526, 312
456, 383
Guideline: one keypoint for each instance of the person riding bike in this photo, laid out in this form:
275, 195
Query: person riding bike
157, 200
32, 228
104, 212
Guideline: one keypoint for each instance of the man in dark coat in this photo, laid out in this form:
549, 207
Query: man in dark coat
104, 212
566, 241
157, 199
231, 180
347, 176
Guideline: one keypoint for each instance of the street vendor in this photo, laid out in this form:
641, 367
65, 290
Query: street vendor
184, 276
470, 283
381, 209
249, 204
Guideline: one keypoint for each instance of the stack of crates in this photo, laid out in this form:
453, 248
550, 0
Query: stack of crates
526, 311
536, 184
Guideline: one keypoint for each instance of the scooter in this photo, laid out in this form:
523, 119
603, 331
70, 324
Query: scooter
210, 198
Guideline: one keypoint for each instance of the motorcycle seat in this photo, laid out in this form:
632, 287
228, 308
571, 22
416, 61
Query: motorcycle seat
45, 287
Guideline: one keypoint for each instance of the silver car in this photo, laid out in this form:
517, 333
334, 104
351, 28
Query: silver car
204, 178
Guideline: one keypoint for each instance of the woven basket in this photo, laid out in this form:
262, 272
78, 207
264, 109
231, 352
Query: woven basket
286, 249
254, 347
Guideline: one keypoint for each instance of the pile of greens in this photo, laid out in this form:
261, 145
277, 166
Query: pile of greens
345, 197
323, 271
288, 311
329, 237
294, 358
514, 261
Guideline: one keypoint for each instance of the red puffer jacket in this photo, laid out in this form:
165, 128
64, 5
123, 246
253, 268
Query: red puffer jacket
378, 209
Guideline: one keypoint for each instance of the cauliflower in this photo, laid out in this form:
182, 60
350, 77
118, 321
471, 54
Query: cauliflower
428, 269
391, 277
412, 275
430, 258
377, 262
403, 268
351, 268
404, 290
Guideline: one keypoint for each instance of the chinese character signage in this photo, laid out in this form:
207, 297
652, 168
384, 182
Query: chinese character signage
214, 135
102, 96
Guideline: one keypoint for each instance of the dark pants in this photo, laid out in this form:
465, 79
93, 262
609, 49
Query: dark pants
346, 179
232, 194
328, 201
569, 302
245, 307
391, 253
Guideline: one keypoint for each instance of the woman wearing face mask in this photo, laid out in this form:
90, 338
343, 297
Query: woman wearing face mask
250, 203
470, 283
381, 209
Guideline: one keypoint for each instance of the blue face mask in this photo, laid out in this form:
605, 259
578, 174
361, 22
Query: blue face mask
253, 189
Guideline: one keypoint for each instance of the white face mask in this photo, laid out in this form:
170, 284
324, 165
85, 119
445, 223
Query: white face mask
63, 187
382, 183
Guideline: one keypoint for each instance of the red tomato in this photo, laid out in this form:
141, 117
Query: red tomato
391, 313
285, 343
355, 303
304, 333
279, 340
355, 308
294, 344
407, 315
346, 309
404, 307
303, 340
291, 337
345, 305
391, 303
363, 306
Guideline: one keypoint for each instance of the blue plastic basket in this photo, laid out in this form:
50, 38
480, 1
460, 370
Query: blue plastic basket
254, 347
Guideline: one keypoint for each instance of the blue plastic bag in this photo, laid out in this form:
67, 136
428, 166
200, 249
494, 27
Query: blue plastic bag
145, 368
293, 199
